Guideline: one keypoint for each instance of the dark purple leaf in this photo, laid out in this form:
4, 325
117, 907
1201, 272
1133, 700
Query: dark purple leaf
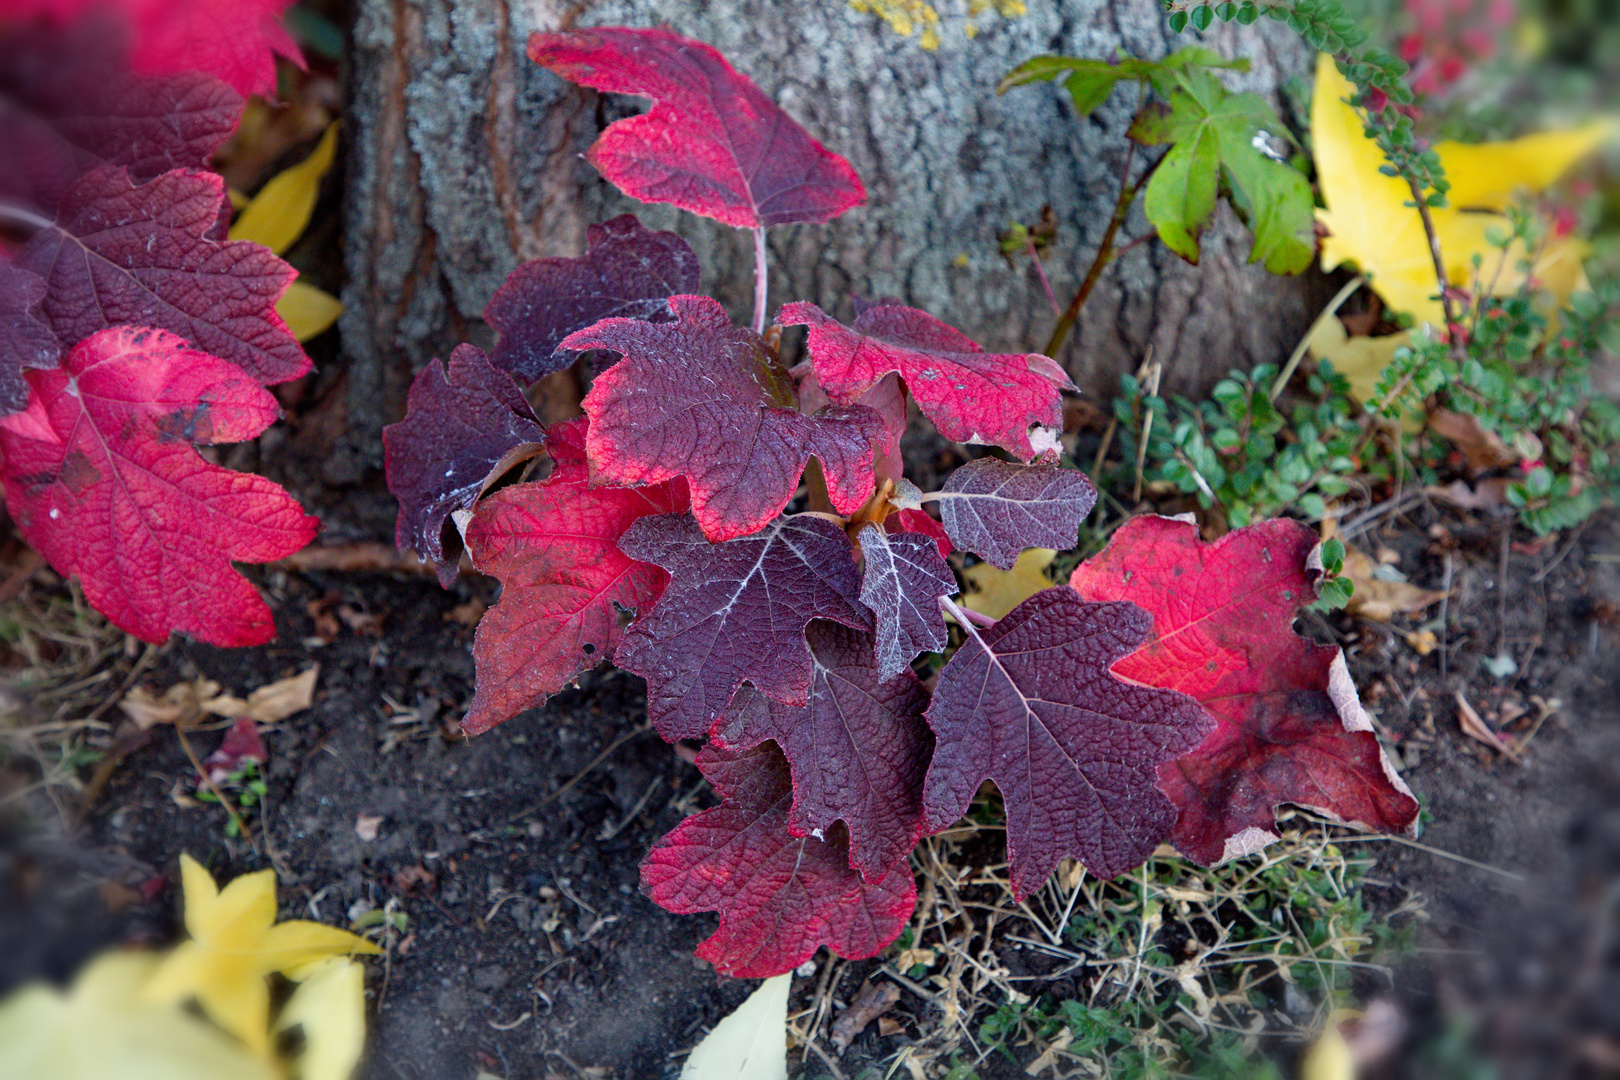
462, 429
904, 579
858, 747
996, 509
626, 272
1030, 704
25, 341
735, 611
780, 897
709, 401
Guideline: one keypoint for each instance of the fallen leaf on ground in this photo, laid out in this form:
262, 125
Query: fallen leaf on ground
240, 747
751, 1043
1487, 494
1361, 360
994, 592
235, 942
873, 1001
1376, 596
272, 702
1480, 449
330, 1006
1474, 726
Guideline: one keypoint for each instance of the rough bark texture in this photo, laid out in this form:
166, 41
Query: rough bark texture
466, 160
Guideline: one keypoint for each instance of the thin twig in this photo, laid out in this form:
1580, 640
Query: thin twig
761, 283
1305, 342
208, 782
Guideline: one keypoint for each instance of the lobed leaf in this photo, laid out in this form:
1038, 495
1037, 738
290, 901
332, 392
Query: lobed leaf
627, 271
858, 748
713, 143
102, 481
122, 253
566, 587
1288, 725
706, 400
735, 611
25, 341
970, 395
1030, 704
904, 578
996, 509
463, 428
780, 897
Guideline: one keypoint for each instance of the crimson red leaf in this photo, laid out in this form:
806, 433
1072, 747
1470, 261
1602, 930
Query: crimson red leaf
918, 521
565, 585
25, 341
858, 747
972, 396
735, 611
996, 509
102, 481
69, 104
626, 272
780, 897
462, 429
121, 253
1290, 726
707, 400
905, 577
713, 143
1030, 704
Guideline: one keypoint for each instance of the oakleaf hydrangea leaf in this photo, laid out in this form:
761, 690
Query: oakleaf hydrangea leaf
1289, 726
996, 509
858, 748
972, 396
707, 400
904, 578
102, 480
626, 272
566, 587
735, 611
464, 426
780, 897
25, 341
713, 143
122, 253
1030, 704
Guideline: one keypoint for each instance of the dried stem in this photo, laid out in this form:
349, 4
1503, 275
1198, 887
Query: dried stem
761, 279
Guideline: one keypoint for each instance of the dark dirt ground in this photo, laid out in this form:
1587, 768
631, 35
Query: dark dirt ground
529, 951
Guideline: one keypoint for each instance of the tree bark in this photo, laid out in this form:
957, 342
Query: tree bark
466, 160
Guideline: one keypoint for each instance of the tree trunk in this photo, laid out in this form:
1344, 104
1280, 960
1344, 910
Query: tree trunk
466, 160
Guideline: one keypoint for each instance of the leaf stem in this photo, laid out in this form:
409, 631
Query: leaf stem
1105, 251
21, 216
1040, 272
968, 620
1454, 343
761, 279
1304, 342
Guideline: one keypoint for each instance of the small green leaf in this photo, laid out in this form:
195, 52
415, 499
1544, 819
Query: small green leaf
1178, 21
1201, 17
1247, 14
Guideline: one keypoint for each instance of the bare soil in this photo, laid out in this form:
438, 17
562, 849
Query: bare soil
528, 950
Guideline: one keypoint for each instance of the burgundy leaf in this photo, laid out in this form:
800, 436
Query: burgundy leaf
858, 747
1029, 703
626, 272
972, 396
462, 429
996, 509
707, 400
735, 611
25, 341
69, 104
566, 588
121, 253
102, 479
904, 579
713, 143
886, 397
780, 897
1290, 728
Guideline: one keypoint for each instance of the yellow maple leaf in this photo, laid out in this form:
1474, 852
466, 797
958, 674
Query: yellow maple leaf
330, 1006
235, 942
994, 592
1371, 225
102, 1028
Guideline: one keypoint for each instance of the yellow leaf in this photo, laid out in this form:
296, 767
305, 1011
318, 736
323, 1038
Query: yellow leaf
1371, 226
280, 212
102, 1029
1328, 1058
1359, 359
306, 310
749, 1044
330, 1006
994, 592
235, 944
